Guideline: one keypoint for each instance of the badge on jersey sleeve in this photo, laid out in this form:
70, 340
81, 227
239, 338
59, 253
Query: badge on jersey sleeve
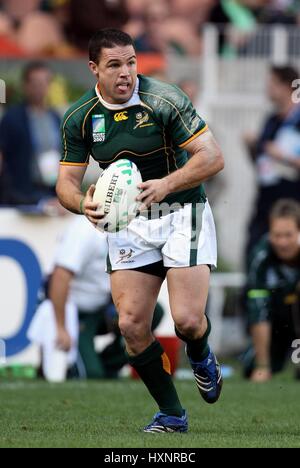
98, 128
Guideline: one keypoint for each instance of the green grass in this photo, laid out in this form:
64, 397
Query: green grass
110, 414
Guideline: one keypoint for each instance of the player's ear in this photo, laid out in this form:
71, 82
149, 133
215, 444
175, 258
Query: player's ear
94, 68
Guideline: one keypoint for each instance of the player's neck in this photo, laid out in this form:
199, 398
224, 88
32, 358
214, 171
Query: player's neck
134, 100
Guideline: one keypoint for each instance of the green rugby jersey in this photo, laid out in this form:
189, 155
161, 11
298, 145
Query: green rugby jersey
273, 286
151, 130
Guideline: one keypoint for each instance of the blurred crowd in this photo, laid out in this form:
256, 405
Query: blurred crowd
63, 27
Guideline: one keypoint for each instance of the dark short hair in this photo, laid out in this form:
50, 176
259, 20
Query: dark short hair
285, 74
286, 208
108, 39
32, 67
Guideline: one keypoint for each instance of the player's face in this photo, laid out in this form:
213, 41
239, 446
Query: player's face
116, 73
285, 238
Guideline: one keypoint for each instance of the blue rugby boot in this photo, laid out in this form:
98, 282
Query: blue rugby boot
208, 377
164, 423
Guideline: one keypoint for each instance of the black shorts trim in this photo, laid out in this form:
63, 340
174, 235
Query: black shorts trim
157, 269
154, 269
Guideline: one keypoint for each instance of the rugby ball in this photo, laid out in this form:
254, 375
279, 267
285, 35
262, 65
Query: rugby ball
116, 192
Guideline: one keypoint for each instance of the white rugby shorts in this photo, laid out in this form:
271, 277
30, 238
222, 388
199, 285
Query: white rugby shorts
184, 238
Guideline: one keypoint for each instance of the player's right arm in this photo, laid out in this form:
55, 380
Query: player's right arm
68, 189
73, 166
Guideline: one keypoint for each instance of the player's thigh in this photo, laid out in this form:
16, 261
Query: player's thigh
135, 295
188, 292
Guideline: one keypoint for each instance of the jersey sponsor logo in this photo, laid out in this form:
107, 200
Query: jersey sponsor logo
121, 116
142, 119
98, 128
125, 256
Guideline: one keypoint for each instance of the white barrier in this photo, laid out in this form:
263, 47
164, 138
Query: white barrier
27, 244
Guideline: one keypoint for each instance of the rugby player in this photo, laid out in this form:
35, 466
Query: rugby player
154, 125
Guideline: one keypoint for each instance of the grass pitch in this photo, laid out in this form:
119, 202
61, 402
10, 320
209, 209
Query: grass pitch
110, 414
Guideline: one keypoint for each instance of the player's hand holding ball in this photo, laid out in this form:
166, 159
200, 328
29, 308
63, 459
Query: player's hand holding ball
92, 209
153, 191
115, 196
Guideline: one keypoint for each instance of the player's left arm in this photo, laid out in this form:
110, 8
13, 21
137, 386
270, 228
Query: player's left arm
206, 161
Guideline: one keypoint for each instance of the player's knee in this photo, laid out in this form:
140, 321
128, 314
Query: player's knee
127, 326
190, 326
132, 328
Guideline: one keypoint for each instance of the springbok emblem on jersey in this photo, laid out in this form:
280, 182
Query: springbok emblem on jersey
141, 119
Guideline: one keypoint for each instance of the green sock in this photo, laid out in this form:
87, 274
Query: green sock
197, 350
153, 366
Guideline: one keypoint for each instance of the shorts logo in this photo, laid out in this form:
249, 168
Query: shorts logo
124, 256
142, 119
121, 116
98, 128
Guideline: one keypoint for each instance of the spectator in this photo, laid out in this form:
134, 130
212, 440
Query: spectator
95, 15
30, 142
79, 279
193, 11
154, 38
278, 12
238, 19
276, 152
236, 23
135, 25
17, 10
164, 32
274, 294
32, 29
